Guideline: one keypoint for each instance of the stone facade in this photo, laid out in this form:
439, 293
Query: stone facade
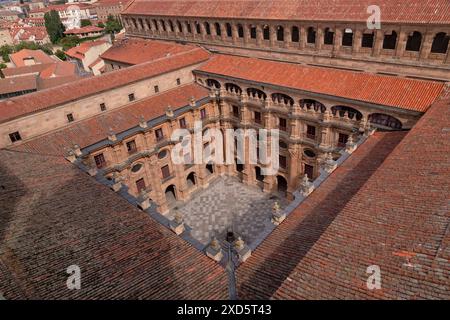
413, 50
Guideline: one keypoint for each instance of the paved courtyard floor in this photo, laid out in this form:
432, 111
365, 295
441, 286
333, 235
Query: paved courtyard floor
228, 204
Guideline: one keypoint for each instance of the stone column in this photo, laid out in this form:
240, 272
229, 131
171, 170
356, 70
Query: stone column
337, 40
203, 30
223, 32
319, 38
427, 42
153, 176
234, 33
378, 43
357, 38
294, 170
401, 43
246, 33
302, 41
273, 35
287, 36
259, 35
324, 137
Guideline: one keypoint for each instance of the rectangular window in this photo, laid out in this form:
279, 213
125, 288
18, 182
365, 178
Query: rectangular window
283, 124
342, 140
102, 106
140, 185
159, 134
131, 146
236, 111
70, 117
100, 161
258, 117
283, 162
165, 171
203, 113
311, 132
156, 89
15, 136
309, 171
131, 97
178, 81
183, 123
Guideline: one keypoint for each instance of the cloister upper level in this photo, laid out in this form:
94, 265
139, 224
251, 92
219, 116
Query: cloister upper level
411, 41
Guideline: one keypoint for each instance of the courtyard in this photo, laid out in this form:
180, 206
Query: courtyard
227, 204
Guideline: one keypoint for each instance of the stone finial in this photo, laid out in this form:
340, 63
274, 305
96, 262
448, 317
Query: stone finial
92, 171
71, 156
192, 102
177, 224
142, 122
277, 215
350, 146
329, 164
276, 207
169, 112
77, 150
117, 182
306, 187
242, 249
111, 135
326, 115
369, 129
214, 250
143, 200
212, 93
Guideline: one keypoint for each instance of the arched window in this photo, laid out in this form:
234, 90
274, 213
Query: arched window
163, 25
347, 38
171, 26
170, 193
217, 27
256, 93
229, 31
191, 180
280, 33
351, 112
266, 33
367, 40
385, 120
281, 184
282, 98
188, 27
197, 28
213, 83
180, 27
155, 23
207, 28
240, 29
295, 34
231, 87
414, 41
390, 40
328, 37
312, 104
209, 168
149, 25
440, 43
311, 38
253, 32
258, 174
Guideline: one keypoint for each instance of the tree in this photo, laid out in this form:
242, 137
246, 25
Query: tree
100, 25
112, 25
5, 50
85, 22
60, 54
69, 42
55, 28
3, 66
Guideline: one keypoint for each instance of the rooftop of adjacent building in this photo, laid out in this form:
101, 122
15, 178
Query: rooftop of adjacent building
26, 57
86, 29
393, 11
80, 50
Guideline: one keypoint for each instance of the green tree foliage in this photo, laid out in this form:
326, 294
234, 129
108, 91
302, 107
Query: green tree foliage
60, 54
69, 42
112, 25
85, 23
100, 25
5, 50
2, 66
54, 26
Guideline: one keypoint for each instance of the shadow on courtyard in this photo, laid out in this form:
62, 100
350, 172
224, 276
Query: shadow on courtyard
308, 230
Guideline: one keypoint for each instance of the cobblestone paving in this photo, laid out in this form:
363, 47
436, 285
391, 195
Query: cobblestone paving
228, 204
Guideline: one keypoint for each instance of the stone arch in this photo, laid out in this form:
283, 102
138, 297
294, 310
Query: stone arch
440, 43
281, 97
229, 30
311, 35
217, 28
209, 168
385, 120
282, 184
414, 41
171, 194
212, 83
351, 112
347, 37
258, 174
231, 87
295, 34
266, 32
328, 36
256, 93
191, 179
207, 28
390, 40
312, 104
280, 33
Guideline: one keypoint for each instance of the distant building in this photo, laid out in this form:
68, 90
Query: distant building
5, 37
106, 8
7, 15
85, 32
70, 14
87, 54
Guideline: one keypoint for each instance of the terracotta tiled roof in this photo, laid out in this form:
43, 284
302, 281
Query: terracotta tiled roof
54, 216
38, 55
79, 51
45, 83
86, 29
396, 11
19, 106
380, 208
92, 130
16, 84
58, 69
404, 93
142, 50
35, 68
